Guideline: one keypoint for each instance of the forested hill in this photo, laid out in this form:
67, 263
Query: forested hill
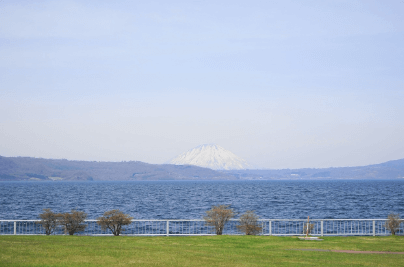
24, 168
388, 170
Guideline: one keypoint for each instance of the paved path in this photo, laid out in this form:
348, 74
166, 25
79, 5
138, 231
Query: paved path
367, 252
349, 251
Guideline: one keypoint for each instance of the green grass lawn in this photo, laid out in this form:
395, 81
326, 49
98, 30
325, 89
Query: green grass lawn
195, 251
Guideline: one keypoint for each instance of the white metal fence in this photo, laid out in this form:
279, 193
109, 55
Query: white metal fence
276, 227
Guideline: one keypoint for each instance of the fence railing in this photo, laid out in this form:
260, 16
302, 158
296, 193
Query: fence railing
275, 227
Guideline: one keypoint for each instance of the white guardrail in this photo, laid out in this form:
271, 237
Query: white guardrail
274, 227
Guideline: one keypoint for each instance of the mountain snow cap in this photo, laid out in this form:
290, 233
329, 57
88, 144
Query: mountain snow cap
211, 156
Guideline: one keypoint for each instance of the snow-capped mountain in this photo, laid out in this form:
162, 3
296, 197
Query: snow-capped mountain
211, 156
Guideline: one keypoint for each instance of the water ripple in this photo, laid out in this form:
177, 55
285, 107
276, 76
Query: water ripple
190, 199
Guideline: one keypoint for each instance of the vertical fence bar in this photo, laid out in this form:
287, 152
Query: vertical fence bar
262, 228
15, 227
322, 227
168, 228
374, 227
270, 227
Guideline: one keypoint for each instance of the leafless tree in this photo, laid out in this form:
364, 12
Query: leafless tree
114, 220
308, 228
49, 221
73, 222
393, 223
249, 223
218, 216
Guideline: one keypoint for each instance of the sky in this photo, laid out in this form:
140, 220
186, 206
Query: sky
281, 84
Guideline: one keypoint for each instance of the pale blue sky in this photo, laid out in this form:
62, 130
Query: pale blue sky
282, 84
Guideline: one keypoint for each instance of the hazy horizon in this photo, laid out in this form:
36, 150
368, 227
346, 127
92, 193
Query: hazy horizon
281, 84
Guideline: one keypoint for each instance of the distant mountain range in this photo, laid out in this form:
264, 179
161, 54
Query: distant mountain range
25, 169
211, 156
393, 169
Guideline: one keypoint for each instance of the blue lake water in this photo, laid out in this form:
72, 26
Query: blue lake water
347, 199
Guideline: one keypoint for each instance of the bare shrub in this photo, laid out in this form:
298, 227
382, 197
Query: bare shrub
218, 216
73, 222
308, 228
114, 220
393, 223
249, 223
49, 221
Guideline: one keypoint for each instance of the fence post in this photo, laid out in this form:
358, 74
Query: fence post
15, 227
322, 228
168, 228
270, 227
374, 228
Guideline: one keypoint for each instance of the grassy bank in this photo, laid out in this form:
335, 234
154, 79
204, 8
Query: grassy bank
196, 251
